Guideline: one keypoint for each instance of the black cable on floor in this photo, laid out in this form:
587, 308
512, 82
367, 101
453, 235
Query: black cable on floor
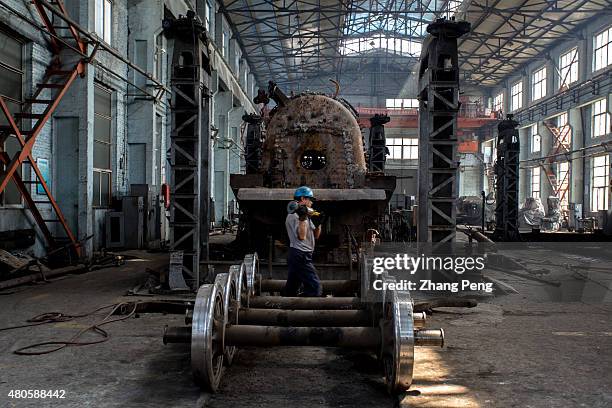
54, 317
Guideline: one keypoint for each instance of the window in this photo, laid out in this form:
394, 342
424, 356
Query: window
602, 49
563, 178
104, 18
159, 57
236, 60
403, 148
452, 7
380, 41
600, 182
207, 16
536, 139
517, 96
600, 118
401, 103
102, 147
498, 102
538, 80
565, 131
535, 182
11, 90
225, 40
568, 67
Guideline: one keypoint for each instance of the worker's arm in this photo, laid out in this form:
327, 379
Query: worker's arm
302, 228
317, 232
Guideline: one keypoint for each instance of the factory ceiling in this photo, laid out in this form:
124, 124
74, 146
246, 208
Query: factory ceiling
294, 41
507, 34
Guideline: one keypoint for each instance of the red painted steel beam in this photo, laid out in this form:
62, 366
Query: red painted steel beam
26, 152
4, 158
49, 25
15, 162
408, 119
73, 31
28, 143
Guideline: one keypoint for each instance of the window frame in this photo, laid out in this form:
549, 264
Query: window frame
536, 138
600, 191
535, 181
498, 102
400, 103
408, 144
516, 95
104, 28
107, 172
158, 56
21, 71
567, 71
565, 130
606, 58
563, 182
207, 17
600, 116
226, 36
538, 83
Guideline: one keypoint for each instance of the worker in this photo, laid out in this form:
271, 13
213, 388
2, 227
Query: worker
302, 233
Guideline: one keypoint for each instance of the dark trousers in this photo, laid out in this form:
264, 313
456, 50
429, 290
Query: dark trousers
301, 272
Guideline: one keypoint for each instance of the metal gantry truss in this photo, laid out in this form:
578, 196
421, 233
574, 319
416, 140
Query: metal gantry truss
439, 105
505, 37
290, 40
297, 41
190, 149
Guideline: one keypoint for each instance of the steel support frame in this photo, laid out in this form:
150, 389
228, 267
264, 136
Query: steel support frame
377, 152
254, 143
439, 106
507, 182
190, 147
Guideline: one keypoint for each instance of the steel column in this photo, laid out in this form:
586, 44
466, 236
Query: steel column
377, 152
190, 145
439, 104
254, 143
506, 181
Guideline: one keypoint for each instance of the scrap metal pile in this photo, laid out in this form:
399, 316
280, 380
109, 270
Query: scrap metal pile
234, 312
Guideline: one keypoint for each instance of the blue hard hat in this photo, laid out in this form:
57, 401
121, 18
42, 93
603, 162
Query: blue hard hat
303, 192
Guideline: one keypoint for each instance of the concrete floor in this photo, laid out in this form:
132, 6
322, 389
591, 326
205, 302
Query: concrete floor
531, 349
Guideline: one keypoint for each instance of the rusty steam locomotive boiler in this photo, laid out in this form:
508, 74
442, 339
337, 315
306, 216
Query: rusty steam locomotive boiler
314, 140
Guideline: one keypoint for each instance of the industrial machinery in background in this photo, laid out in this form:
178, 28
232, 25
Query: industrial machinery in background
438, 158
136, 220
189, 150
470, 210
315, 140
234, 312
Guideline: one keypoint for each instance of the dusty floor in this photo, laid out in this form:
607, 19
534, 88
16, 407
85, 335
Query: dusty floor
518, 350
